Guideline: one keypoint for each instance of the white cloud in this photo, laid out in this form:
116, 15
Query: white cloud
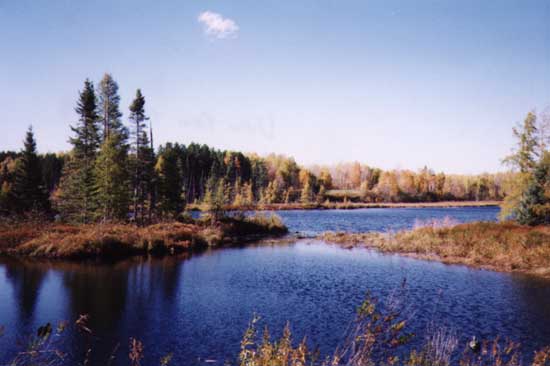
215, 25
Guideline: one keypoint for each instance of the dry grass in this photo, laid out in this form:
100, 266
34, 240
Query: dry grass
498, 246
50, 240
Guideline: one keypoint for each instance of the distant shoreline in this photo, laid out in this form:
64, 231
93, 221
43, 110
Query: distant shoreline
351, 205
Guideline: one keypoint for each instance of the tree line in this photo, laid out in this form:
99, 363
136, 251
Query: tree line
114, 173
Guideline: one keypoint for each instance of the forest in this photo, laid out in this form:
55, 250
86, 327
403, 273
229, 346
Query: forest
114, 173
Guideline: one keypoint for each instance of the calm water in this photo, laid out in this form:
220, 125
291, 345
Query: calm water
378, 219
199, 307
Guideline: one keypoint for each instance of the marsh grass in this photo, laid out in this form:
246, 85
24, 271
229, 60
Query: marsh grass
503, 246
54, 240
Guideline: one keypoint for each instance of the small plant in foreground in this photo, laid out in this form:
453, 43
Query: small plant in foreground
379, 337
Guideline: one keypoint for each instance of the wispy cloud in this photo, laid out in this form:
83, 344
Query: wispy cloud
215, 25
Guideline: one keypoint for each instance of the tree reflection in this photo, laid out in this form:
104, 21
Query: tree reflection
26, 279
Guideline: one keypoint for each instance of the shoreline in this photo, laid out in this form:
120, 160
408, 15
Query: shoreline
500, 247
351, 205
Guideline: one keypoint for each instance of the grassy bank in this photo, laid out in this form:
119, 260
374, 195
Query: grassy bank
51, 240
498, 246
350, 205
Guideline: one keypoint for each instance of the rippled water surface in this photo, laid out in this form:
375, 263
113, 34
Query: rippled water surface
198, 308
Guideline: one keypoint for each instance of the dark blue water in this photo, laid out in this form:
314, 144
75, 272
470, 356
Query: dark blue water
378, 219
198, 308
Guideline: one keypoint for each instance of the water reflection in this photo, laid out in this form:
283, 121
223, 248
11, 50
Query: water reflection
98, 290
26, 279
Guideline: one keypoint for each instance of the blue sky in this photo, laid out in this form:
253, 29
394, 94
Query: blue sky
394, 84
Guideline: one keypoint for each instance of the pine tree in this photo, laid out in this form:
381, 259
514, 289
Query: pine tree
109, 108
525, 157
112, 163
28, 190
169, 182
113, 184
534, 206
78, 186
143, 160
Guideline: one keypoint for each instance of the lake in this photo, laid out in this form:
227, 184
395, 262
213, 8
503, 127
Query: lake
198, 307
314, 222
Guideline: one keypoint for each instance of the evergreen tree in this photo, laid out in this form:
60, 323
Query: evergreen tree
534, 206
143, 160
28, 190
113, 184
109, 108
78, 186
169, 182
525, 157
52, 168
112, 163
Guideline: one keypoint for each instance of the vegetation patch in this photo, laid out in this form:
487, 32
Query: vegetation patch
52, 240
505, 246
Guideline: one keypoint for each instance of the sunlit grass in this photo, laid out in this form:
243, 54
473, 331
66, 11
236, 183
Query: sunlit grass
53, 240
502, 246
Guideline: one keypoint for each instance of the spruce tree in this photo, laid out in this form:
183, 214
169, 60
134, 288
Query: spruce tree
534, 206
113, 174
143, 160
29, 193
169, 182
113, 184
525, 156
78, 187
109, 108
